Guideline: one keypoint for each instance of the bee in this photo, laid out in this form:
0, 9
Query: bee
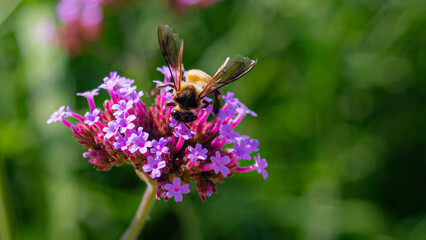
189, 91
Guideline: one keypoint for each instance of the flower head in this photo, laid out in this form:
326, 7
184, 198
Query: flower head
169, 153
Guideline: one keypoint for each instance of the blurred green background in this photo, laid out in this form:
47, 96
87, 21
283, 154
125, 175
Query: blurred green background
340, 94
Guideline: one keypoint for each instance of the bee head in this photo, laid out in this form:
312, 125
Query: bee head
185, 117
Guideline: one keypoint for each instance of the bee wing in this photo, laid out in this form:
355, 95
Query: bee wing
231, 70
172, 48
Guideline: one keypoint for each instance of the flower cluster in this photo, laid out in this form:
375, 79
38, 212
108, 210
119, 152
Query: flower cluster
81, 22
168, 153
182, 5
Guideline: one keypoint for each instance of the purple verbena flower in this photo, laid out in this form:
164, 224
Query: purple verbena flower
135, 96
197, 153
121, 142
227, 133
92, 117
226, 113
125, 123
166, 72
113, 77
139, 141
175, 190
165, 151
260, 165
154, 166
244, 146
57, 115
219, 163
111, 129
122, 107
173, 123
124, 91
181, 130
159, 147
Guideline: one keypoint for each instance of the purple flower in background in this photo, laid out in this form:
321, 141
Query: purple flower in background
219, 163
154, 166
159, 147
197, 153
139, 141
175, 190
68, 10
260, 165
92, 117
91, 14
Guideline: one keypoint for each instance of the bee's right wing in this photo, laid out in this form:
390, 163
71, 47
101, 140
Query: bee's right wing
172, 49
231, 70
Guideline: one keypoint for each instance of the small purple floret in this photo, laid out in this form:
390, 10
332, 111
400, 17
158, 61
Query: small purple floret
181, 130
121, 142
122, 107
260, 165
226, 132
154, 166
159, 147
92, 117
197, 153
175, 190
219, 163
111, 129
125, 123
57, 115
244, 146
139, 141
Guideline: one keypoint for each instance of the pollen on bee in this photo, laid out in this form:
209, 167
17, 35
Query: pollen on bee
197, 77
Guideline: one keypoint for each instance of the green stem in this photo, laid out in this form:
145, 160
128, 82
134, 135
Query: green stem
144, 209
6, 229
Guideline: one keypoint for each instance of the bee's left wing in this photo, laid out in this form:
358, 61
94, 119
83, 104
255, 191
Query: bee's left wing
231, 70
172, 49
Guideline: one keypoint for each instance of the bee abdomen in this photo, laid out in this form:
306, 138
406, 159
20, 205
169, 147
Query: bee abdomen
187, 98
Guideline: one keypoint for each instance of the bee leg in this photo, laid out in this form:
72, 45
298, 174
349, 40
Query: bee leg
158, 87
205, 104
216, 101
170, 104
